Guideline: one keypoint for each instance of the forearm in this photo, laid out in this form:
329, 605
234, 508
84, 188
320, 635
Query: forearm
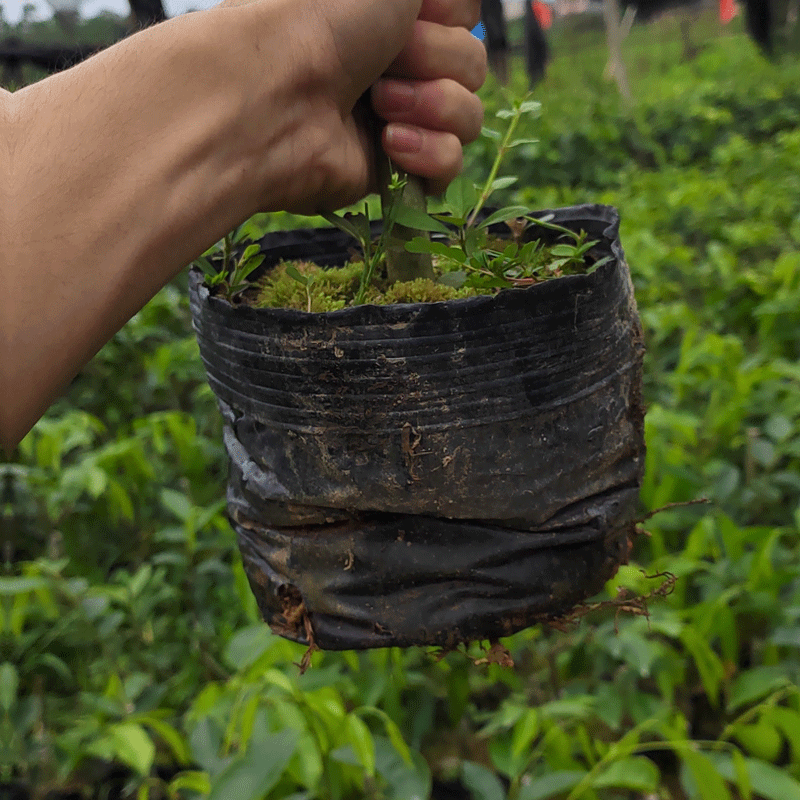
124, 170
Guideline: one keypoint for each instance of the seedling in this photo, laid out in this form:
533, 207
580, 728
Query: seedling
470, 256
466, 253
231, 279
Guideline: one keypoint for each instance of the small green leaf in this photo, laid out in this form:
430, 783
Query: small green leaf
343, 224
518, 142
771, 782
456, 279
133, 746
708, 783
239, 233
635, 773
406, 779
461, 196
206, 742
362, 743
9, 681
247, 645
763, 451
597, 264
250, 251
766, 780
708, 663
530, 107
139, 580
754, 684
582, 249
250, 264
742, 775
760, 739
421, 245
449, 219
525, 731
176, 502
503, 214
295, 273
214, 250
392, 731
12, 586
204, 264
360, 222
503, 183
216, 280
554, 784
510, 250
418, 220
481, 782
254, 774
787, 721
190, 781
778, 427
545, 222
170, 735
491, 134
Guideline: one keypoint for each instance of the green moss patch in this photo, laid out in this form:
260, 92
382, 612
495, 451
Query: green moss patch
333, 288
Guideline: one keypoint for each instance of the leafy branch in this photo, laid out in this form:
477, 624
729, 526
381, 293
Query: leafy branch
232, 274
520, 106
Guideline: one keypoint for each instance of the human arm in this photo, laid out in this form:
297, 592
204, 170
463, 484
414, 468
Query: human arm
128, 166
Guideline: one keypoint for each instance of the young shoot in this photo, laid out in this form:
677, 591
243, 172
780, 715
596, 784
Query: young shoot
232, 274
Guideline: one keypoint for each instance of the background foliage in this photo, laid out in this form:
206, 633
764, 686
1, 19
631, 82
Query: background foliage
132, 659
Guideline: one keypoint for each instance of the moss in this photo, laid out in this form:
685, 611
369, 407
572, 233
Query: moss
503, 264
332, 289
422, 290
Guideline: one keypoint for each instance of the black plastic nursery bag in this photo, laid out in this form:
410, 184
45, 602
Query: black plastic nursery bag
426, 474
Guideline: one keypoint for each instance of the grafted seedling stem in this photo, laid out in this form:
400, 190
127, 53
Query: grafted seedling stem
400, 264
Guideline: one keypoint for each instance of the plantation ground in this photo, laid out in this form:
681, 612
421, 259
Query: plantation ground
133, 654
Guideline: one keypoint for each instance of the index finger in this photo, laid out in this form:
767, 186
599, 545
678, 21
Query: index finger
453, 13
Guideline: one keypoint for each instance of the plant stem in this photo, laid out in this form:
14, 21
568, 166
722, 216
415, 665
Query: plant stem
501, 152
227, 247
400, 264
369, 266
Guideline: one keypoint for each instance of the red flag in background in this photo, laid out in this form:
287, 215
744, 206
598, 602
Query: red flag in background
727, 10
544, 14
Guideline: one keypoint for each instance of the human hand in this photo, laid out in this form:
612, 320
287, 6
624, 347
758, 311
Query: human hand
421, 66
141, 157
427, 95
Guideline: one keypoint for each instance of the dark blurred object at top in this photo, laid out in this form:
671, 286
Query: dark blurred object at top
147, 12
758, 19
537, 52
761, 17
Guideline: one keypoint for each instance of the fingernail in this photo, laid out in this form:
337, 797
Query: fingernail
397, 96
403, 139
